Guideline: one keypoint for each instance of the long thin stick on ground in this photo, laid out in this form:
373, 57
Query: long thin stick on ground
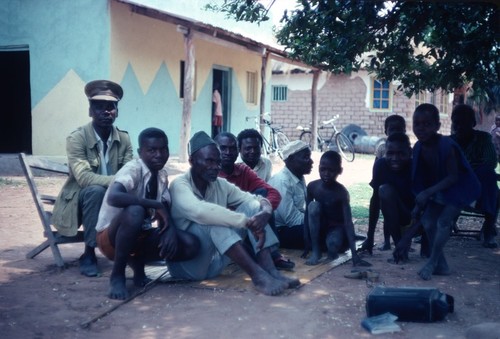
146, 288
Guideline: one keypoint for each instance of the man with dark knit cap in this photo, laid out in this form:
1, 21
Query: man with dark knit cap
96, 151
221, 216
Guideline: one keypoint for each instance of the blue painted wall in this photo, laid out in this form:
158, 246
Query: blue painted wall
61, 35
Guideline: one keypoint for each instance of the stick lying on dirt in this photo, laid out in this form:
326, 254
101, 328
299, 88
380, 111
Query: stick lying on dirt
146, 288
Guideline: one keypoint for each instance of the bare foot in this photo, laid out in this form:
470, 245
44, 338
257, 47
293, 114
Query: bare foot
291, 282
141, 280
266, 284
385, 247
137, 265
332, 255
117, 288
442, 268
358, 262
313, 259
426, 272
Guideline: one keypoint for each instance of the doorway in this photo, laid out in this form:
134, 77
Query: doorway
15, 129
220, 100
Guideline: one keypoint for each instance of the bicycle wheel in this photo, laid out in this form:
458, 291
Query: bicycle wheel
345, 147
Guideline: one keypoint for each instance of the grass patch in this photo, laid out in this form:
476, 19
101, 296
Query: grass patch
6, 182
360, 202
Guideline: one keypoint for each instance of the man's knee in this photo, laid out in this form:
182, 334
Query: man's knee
387, 192
133, 216
92, 193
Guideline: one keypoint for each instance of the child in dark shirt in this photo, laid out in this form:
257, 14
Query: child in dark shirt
443, 183
391, 183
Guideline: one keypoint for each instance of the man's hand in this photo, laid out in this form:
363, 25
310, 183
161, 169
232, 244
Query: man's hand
256, 224
258, 221
168, 243
421, 200
161, 215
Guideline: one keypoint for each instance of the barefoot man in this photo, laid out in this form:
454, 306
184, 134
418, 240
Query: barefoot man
200, 205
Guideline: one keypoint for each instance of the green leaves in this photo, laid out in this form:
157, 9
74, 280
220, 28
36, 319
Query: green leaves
424, 44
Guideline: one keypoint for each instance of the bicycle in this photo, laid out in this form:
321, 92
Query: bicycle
277, 139
337, 141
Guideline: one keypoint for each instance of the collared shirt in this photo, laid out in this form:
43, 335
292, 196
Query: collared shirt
291, 210
134, 176
263, 168
85, 168
104, 156
190, 206
248, 181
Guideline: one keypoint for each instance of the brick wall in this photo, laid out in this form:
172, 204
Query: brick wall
345, 96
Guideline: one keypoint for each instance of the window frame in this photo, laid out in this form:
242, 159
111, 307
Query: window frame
380, 96
252, 87
279, 93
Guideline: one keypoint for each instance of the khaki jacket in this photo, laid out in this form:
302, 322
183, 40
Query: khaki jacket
84, 165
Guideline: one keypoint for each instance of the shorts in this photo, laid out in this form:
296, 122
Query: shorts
104, 244
108, 250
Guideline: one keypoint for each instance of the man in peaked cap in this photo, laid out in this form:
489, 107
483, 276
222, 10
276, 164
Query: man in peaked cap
200, 205
289, 215
96, 151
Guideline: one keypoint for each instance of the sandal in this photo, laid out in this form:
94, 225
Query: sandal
283, 263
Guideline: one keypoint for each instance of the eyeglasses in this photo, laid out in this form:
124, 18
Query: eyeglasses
103, 105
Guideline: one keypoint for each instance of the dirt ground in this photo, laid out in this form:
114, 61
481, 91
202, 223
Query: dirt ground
38, 300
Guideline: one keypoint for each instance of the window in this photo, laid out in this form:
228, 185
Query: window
181, 84
280, 93
252, 87
443, 103
381, 95
420, 98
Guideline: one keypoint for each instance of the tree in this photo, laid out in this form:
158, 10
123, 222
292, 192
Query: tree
425, 45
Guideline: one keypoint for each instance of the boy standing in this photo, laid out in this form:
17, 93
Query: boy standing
328, 213
443, 182
137, 196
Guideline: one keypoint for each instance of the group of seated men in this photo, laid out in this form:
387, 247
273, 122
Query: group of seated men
224, 209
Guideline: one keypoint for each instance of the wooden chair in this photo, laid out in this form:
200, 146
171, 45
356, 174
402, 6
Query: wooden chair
53, 238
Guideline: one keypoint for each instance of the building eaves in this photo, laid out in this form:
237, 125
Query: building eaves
212, 31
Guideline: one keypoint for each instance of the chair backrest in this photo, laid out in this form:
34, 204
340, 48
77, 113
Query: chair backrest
28, 163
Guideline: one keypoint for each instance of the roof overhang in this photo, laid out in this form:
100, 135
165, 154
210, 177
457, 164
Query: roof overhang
185, 25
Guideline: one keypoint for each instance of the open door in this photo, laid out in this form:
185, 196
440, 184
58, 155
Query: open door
15, 115
221, 100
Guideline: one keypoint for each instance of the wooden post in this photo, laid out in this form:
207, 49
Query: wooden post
314, 109
263, 70
188, 95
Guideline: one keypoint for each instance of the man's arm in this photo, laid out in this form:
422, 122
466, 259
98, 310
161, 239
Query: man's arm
185, 204
349, 229
254, 182
119, 197
450, 179
81, 162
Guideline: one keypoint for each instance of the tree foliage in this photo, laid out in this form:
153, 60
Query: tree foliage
425, 45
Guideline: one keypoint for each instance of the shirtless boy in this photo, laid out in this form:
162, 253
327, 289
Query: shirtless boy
329, 214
